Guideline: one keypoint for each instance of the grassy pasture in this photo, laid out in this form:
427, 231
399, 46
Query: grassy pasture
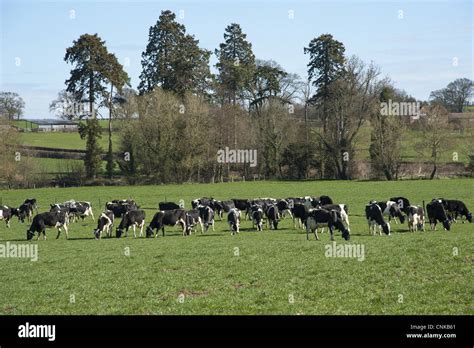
275, 272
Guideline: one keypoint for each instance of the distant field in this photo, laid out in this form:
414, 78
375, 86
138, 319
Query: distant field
269, 272
62, 140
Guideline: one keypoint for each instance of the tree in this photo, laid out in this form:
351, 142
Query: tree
236, 64
434, 141
173, 60
68, 106
354, 99
11, 105
455, 96
94, 69
386, 137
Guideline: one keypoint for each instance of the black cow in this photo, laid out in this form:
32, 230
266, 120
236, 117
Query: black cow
456, 208
163, 206
134, 218
374, 216
233, 219
166, 218
403, 203
120, 206
7, 213
324, 200
242, 205
33, 203
228, 205
391, 209
104, 224
257, 216
321, 218
300, 213
219, 208
58, 219
207, 216
25, 212
273, 216
436, 212
193, 218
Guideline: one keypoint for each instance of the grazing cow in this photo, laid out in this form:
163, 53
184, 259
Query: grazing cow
321, 218
120, 206
456, 208
164, 206
374, 216
104, 224
257, 216
300, 213
233, 219
273, 216
403, 203
7, 213
25, 211
166, 218
58, 219
436, 212
193, 218
391, 209
342, 209
325, 200
207, 216
207, 202
75, 209
416, 218
134, 218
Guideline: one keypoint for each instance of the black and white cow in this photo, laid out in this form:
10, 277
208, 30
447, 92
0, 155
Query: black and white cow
273, 216
284, 207
322, 218
416, 218
207, 216
6, 213
205, 201
437, 213
391, 209
167, 218
374, 216
193, 218
342, 209
25, 212
104, 224
218, 208
75, 209
132, 218
456, 208
257, 216
233, 219
163, 206
57, 219
300, 213
120, 206
403, 203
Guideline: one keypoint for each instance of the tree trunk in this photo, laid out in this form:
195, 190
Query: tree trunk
110, 156
433, 172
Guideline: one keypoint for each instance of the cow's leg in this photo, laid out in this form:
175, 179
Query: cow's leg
92, 214
65, 230
59, 232
44, 234
331, 231
141, 228
316, 233
134, 233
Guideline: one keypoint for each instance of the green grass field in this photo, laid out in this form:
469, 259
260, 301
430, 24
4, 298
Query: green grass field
269, 272
63, 140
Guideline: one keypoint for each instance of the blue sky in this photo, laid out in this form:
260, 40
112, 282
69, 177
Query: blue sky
416, 51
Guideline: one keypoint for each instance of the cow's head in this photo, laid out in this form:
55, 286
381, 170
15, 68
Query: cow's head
386, 228
29, 235
446, 225
118, 232
346, 234
15, 212
149, 232
96, 233
469, 217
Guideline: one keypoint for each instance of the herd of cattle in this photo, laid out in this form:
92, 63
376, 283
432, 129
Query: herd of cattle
307, 212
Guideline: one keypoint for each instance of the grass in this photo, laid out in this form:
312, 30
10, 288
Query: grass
62, 140
271, 266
